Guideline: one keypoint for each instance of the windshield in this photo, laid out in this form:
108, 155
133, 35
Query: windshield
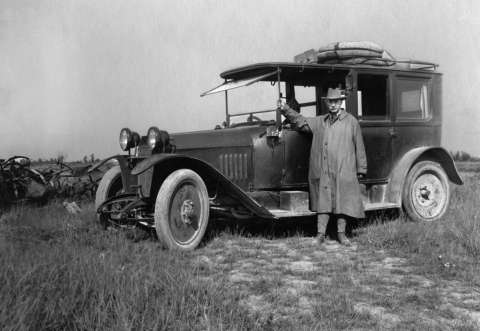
256, 103
262, 96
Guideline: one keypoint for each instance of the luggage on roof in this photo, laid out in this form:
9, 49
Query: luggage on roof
353, 45
347, 52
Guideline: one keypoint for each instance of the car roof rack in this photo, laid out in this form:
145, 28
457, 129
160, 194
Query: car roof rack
360, 53
418, 65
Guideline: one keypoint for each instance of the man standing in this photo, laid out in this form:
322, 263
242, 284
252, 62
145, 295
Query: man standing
337, 160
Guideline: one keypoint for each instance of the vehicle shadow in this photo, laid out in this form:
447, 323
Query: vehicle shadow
304, 227
271, 230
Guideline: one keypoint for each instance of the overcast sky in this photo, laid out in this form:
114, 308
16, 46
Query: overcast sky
73, 73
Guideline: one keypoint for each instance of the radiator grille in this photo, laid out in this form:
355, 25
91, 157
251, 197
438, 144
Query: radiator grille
144, 150
234, 165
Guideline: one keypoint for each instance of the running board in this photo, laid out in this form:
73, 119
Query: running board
379, 206
284, 213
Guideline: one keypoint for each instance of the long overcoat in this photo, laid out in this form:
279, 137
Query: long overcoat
337, 155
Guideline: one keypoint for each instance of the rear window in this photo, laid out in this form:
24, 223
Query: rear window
413, 99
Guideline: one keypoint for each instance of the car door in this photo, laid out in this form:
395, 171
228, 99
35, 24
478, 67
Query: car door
371, 100
296, 159
297, 144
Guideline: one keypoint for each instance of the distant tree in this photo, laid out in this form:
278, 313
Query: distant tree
92, 157
465, 156
61, 157
462, 156
40, 160
85, 159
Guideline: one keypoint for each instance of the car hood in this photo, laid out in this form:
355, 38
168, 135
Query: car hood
234, 137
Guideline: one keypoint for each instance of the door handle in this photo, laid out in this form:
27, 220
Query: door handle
392, 132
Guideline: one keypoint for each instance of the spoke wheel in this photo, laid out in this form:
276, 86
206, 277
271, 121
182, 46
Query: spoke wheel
426, 192
109, 186
182, 210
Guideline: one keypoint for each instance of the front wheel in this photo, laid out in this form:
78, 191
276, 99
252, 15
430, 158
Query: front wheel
110, 185
182, 210
426, 193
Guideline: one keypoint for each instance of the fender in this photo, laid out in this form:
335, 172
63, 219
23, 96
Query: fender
127, 179
172, 162
399, 173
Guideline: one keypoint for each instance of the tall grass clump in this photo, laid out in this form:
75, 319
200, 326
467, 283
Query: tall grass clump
59, 271
451, 244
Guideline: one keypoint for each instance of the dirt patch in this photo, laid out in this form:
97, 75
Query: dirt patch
301, 266
387, 320
284, 278
238, 277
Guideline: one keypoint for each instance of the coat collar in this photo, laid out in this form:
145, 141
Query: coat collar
341, 116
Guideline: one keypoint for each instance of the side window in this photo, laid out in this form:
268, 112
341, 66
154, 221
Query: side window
372, 102
305, 96
412, 99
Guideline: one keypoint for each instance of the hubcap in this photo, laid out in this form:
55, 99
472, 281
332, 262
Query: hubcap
185, 213
429, 195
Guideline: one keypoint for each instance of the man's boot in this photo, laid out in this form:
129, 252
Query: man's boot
341, 225
343, 239
322, 221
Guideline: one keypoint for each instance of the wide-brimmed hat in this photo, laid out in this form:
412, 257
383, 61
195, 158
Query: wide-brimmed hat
335, 94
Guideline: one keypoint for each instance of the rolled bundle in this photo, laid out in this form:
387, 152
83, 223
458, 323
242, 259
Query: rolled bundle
347, 52
309, 56
383, 61
352, 45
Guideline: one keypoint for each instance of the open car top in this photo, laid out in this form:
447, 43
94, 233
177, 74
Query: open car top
305, 73
292, 68
287, 69
272, 72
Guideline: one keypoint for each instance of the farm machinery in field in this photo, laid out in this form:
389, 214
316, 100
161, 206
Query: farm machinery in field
21, 182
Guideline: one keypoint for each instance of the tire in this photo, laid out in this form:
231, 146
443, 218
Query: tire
109, 186
426, 193
182, 210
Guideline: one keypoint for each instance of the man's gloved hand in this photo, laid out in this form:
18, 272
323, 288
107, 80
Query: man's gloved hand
360, 176
281, 106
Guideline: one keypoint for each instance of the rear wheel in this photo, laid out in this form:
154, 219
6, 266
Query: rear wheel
109, 186
182, 210
426, 193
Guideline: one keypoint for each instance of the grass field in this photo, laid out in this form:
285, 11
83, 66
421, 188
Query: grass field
468, 166
60, 271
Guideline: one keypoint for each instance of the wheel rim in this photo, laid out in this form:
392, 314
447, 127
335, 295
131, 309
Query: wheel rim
429, 195
185, 213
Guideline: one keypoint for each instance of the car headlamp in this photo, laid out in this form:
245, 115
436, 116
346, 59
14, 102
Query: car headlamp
128, 139
153, 137
125, 137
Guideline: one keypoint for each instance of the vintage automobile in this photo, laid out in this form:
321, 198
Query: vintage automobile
257, 168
